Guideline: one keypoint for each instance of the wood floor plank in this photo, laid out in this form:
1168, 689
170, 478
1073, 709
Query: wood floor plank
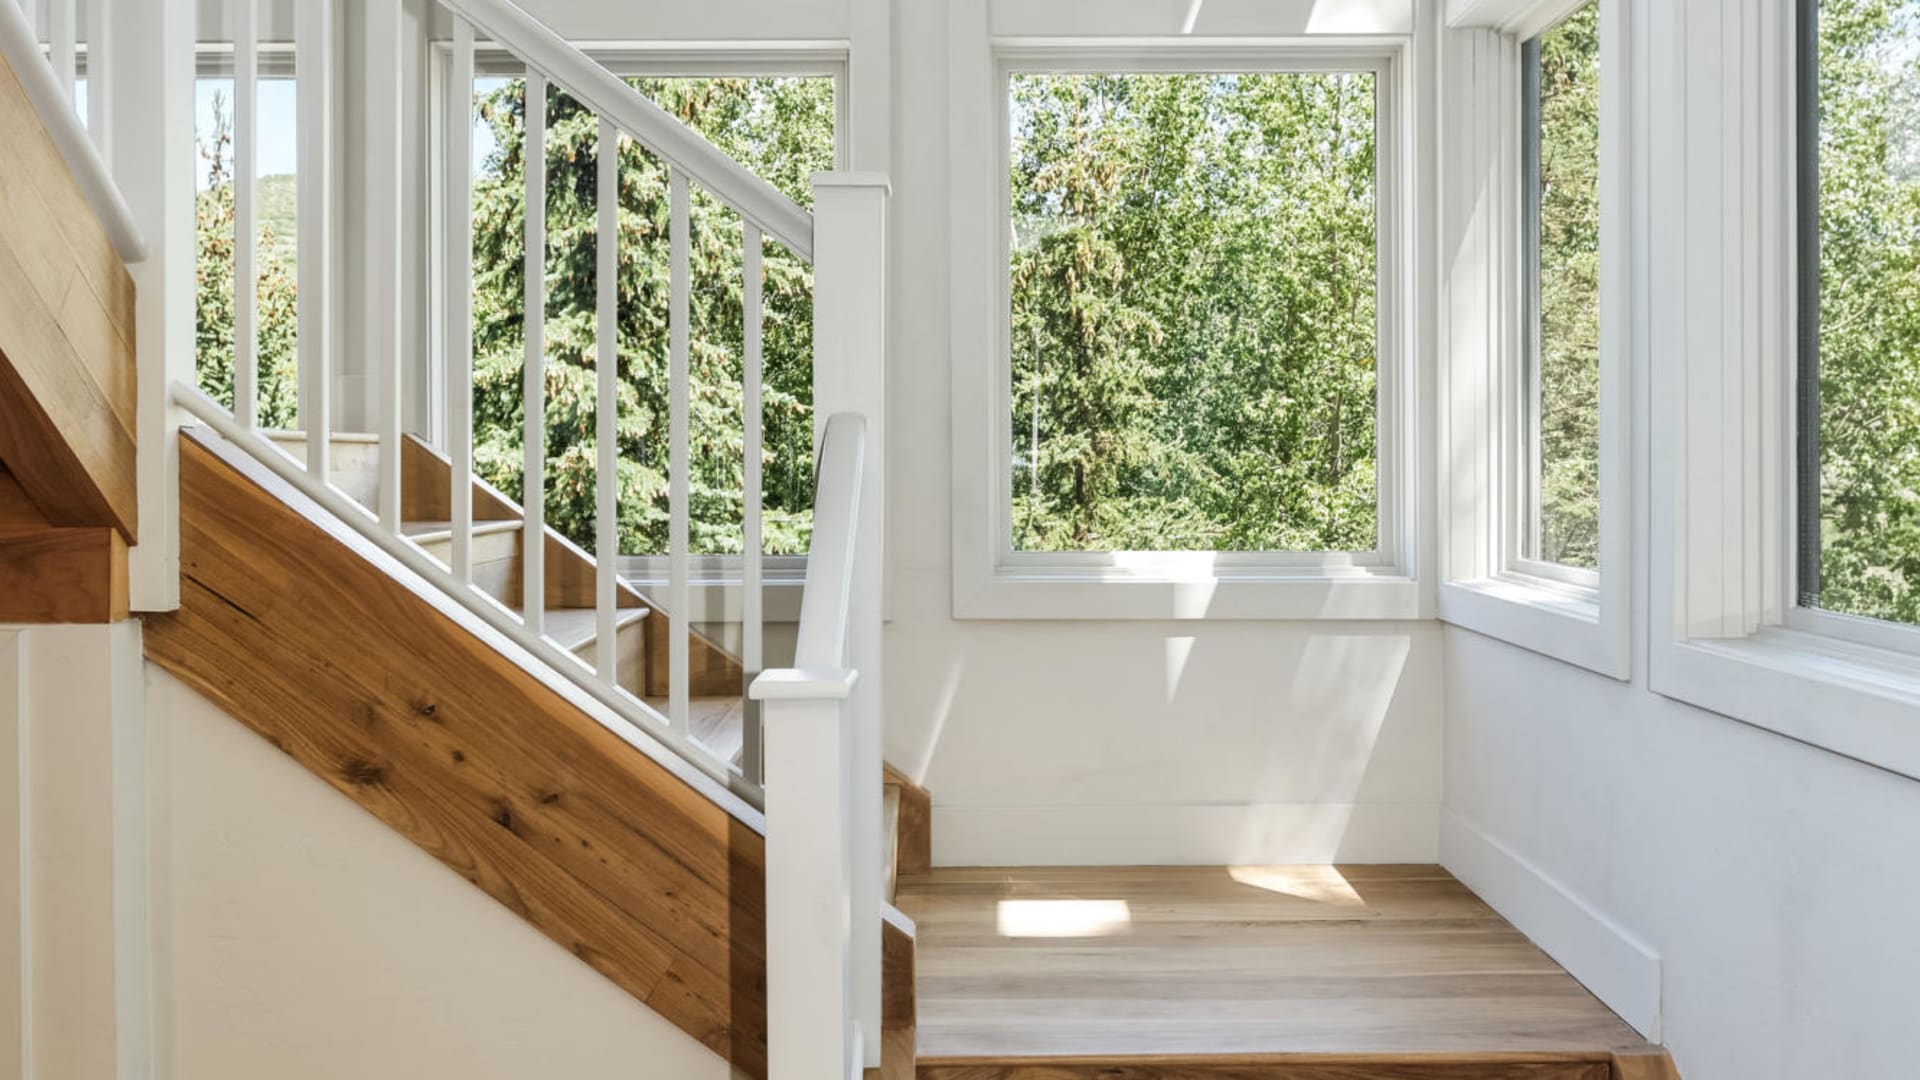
1207, 961
1276, 1067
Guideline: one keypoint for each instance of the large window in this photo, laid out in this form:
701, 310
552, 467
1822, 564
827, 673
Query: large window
1560, 103
1193, 279
781, 127
1859, 448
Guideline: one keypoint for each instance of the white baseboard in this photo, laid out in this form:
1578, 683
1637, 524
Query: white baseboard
1619, 968
1191, 835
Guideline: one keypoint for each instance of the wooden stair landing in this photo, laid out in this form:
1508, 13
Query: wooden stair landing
1248, 973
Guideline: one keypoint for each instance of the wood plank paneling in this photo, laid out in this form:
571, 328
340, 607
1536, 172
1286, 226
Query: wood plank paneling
349, 671
63, 575
915, 828
67, 372
897, 1046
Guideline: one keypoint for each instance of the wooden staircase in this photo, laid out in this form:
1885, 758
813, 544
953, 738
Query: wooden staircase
716, 679
637, 862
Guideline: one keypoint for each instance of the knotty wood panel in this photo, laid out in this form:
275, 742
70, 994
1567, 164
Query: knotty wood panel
896, 1004
302, 638
1278, 1067
67, 373
63, 575
1176, 961
915, 827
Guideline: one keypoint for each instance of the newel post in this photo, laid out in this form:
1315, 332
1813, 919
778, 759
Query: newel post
849, 375
810, 1022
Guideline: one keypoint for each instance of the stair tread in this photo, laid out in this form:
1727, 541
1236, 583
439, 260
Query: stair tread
571, 628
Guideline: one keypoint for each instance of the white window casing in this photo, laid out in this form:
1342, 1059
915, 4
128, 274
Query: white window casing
1723, 630
990, 579
1487, 584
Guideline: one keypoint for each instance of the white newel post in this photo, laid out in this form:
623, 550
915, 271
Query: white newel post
809, 753
153, 160
849, 375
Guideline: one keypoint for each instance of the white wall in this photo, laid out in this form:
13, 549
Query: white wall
1116, 742
1777, 882
299, 937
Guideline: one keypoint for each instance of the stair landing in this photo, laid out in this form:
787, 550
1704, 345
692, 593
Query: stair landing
1244, 972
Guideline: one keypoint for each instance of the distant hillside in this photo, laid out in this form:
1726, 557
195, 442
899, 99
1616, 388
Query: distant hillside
274, 209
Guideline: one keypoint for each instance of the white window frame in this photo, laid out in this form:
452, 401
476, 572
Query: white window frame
718, 575
1489, 585
1725, 633
990, 579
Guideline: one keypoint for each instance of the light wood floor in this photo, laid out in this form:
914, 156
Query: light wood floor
1207, 960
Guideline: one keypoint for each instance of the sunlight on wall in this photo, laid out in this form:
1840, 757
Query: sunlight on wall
1064, 918
1320, 884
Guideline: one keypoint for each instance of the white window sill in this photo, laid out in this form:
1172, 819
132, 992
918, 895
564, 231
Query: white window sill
1855, 700
1552, 618
1317, 593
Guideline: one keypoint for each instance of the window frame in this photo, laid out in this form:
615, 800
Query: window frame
991, 579
719, 575
1488, 353
1727, 632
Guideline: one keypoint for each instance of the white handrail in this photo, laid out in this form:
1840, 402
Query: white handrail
22, 50
609, 96
825, 603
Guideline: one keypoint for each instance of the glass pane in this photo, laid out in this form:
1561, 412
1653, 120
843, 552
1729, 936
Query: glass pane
1193, 288
1563, 161
1861, 503
275, 245
780, 128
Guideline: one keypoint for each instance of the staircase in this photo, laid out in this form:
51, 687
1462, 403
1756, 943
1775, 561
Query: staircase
579, 751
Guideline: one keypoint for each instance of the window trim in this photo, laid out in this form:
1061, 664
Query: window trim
1489, 584
990, 579
1726, 633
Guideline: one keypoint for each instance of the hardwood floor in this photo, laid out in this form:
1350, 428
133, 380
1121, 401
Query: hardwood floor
1128, 973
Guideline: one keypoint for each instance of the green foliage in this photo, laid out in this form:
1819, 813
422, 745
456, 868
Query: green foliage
1569, 346
276, 387
1193, 302
1869, 86
780, 129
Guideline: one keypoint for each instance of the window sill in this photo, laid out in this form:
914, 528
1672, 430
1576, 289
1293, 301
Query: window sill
1855, 700
1028, 593
1559, 620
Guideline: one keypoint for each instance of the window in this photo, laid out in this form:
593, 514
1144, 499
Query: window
1193, 283
781, 127
1537, 242
1559, 514
1183, 297
1859, 377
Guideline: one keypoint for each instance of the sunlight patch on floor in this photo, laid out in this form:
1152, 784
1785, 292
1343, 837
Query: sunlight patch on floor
1320, 884
1063, 918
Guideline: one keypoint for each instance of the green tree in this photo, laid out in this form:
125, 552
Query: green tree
1569, 283
1193, 301
779, 128
276, 381
1869, 315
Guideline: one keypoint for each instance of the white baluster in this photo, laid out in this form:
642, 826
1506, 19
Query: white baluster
751, 614
606, 554
533, 473
679, 489
381, 238
60, 44
313, 68
246, 277
99, 76
459, 298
